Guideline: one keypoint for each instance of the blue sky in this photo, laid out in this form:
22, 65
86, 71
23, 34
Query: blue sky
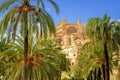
72, 10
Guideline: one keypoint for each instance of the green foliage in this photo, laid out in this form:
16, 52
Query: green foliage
36, 17
47, 60
3, 44
26, 18
38, 20
91, 60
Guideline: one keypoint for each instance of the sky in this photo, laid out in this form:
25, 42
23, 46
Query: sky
72, 10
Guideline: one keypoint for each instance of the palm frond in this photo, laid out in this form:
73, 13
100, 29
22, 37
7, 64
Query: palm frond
55, 5
5, 5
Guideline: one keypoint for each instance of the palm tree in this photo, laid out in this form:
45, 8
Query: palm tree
102, 29
3, 47
44, 60
90, 61
24, 17
63, 64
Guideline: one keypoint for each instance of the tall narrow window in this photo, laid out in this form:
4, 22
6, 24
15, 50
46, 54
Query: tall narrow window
69, 40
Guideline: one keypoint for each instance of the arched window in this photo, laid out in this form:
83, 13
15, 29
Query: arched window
71, 30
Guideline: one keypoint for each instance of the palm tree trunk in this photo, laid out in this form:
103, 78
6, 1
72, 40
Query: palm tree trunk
95, 74
25, 56
59, 75
99, 74
103, 70
90, 76
106, 57
25, 48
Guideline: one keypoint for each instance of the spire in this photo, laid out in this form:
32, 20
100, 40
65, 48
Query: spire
79, 22
64, 21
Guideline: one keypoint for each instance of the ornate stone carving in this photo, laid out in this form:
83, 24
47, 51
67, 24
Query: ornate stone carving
71, 30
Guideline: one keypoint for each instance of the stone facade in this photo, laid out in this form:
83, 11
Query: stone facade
71, 37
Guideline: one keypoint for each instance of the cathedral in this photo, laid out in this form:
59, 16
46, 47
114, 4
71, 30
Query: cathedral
71, 38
